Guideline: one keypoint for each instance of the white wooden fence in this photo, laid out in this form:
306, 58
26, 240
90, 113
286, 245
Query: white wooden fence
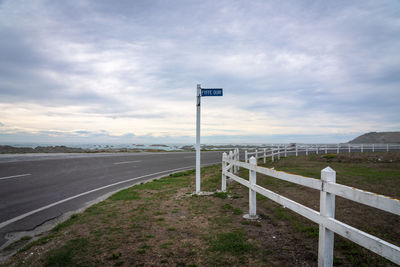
328, 188
277, 150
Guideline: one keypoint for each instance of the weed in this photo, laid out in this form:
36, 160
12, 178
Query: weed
64, 256
233, 242
127, 194
222, 195
166, 245
229, 207
115, 256
67, 223
17, 243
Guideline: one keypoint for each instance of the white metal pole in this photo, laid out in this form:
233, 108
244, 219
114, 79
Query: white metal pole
198, 97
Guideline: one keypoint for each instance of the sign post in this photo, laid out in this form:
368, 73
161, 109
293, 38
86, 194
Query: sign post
201, 92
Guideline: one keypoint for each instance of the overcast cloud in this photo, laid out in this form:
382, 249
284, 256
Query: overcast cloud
305, 71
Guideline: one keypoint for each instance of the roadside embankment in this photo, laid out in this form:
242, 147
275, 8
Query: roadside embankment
163, 223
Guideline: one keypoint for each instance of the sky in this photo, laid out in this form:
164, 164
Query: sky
126, 71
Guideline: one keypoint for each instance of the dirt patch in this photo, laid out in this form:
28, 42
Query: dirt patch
162, 223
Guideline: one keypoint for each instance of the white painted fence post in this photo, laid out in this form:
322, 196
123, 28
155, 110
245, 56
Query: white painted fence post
306, 150
338, 146
272, 155
297, 153
245, 156
279, 152
238, 159
326, 149
256, 154
373, 147
223, 185
327, 209
316, 148
235, 155
265, 156
252, 194
349, 148
231, 157
387, 147
285, 150
362, 148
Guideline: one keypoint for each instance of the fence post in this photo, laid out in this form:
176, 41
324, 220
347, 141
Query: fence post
326, 149
285, 150
230, 157
245, 156
223, 185
338, 145
256, 154
279, 152
316, 149
238, 159
252, 194
235, 158
327, 209
349, 148
297, 153
272, 155
373, 147
387, 147
306, 150
265, 156
362, 148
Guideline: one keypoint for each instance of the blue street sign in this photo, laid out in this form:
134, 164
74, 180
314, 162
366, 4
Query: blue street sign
211, 92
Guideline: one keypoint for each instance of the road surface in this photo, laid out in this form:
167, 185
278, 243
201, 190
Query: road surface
37, 188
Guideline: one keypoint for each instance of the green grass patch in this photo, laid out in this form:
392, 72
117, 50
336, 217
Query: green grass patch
229, 207
234, 242
222, 195
67, 255
127, 194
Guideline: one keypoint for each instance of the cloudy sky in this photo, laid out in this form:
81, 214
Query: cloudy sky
126, 71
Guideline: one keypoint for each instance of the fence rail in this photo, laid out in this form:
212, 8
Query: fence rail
278, 150
328, 188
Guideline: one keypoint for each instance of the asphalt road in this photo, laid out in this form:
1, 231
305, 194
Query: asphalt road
37, 188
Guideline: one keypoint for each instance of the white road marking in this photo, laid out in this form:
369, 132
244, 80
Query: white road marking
5, 223
15, 176
125, 162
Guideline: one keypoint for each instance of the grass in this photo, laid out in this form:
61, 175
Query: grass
159, 223
68, 254
234, 242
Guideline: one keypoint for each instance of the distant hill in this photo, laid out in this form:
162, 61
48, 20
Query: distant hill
377, 138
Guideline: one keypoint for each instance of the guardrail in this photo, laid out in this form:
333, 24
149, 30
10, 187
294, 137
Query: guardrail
325, 217
276, 150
